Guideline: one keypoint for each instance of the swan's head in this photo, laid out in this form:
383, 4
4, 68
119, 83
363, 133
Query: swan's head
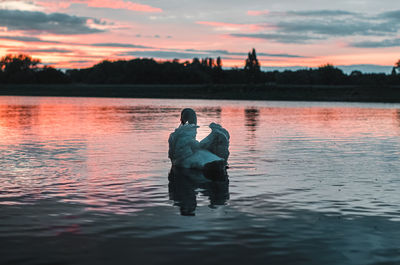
188, 115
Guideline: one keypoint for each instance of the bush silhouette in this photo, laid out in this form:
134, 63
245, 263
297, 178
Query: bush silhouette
24, 69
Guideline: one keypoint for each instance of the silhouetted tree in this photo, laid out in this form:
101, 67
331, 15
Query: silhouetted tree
329, 75
18, 68
219, 63
210, 62
396, 67
218, 73
195, 61
204, 62
24, 69
252, 67
16, 63
356, 73
50, 75
252, 63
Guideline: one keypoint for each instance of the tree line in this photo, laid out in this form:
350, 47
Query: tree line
23, 69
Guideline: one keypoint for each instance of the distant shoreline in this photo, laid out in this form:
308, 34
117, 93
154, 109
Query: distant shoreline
224, 91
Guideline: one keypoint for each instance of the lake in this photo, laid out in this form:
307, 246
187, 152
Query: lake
88, 181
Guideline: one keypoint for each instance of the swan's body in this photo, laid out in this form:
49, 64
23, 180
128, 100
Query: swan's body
186, 152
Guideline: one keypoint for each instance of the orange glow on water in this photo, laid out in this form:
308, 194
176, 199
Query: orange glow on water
65, 119
106, 150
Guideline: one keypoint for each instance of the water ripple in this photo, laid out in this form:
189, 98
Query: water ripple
94, 173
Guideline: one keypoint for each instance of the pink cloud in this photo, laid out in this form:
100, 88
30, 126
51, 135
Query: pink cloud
218, 24
119, 4
53, 6
257, 12
233, 26
112, 4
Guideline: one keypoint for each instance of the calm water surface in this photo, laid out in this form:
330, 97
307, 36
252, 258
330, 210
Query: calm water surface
87, 181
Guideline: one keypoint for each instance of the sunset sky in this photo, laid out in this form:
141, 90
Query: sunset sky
310, 33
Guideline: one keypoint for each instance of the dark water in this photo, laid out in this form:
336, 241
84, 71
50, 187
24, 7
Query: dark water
87, 181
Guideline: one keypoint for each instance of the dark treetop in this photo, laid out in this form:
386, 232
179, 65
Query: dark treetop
22, 69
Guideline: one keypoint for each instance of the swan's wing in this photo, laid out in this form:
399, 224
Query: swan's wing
207, 142
217, 142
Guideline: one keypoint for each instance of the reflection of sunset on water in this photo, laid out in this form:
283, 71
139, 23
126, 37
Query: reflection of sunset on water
110, 150
94, 169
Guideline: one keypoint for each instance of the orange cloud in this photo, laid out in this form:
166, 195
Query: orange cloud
113, 4
53, 6
119, 4
257, 12
232, 26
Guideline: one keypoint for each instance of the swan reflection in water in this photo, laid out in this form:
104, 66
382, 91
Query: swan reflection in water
185, 184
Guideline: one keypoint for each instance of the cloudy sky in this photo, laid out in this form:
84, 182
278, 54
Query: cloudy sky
309, 33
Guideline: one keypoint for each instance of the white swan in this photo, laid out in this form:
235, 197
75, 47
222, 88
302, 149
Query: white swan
186, 152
